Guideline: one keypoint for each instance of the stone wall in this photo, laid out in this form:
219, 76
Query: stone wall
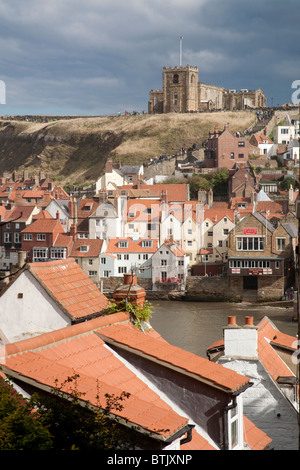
208, 289
230, 289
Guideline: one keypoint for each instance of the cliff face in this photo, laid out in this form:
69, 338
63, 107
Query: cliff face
74, 150
66, 156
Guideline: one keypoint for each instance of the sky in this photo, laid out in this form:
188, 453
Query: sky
99, 57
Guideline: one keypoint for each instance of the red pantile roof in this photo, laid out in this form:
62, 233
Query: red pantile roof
81, 349
69, 286
44, 226
95, 247
255, 437
133, 246
99, 370
174, 357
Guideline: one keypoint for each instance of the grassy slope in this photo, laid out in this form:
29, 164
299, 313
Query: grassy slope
75, 150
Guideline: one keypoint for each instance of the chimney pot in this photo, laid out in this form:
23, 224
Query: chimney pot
231, 320
248, 320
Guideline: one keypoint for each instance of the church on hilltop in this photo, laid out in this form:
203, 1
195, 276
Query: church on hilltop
183, 93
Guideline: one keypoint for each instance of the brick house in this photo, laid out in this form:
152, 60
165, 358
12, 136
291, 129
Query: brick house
39, 237
13, 222
224, 150
260, 257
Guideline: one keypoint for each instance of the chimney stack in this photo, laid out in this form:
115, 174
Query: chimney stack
131, 291
240, 341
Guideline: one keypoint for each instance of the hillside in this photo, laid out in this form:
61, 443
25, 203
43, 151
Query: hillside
75, 150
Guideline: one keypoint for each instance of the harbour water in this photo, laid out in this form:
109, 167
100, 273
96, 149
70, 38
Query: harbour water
194, 326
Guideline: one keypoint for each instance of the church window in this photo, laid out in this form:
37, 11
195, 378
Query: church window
175, 78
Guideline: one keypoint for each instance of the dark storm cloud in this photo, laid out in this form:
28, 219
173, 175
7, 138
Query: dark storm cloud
100, 56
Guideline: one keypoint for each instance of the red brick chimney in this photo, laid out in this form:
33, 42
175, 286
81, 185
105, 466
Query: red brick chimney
131, 291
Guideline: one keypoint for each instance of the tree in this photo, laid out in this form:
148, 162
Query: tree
287, 182
19, 427
53, 422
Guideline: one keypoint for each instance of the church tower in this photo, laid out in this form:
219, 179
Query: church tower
180, 89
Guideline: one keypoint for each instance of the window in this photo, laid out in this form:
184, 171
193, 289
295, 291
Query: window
180, 262
103, 260
106, 273
210, 234
277, 264
7, 237
147, 243
163, 262
119, 256
220, 243
235, 424
92, 273
126, 256
90, 262
250, 244
232, 156
17, 237
145, 256
225, 231
122, 269
149, 211
58, 253
27, 236
241, 144
41, 237
151, 226
241, 155
189, 243
40, 254
190, 231
284, 131
280, 242
123, 244
175, 78
84, 248
163, 275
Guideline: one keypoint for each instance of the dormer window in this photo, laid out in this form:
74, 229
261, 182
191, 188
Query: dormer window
84, 248
147, 243
123, 244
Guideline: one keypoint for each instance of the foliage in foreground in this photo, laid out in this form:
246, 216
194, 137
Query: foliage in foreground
50, 422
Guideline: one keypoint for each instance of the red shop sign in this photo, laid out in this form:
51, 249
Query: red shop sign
250, 231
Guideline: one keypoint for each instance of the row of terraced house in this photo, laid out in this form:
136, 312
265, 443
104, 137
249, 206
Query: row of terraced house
153, 230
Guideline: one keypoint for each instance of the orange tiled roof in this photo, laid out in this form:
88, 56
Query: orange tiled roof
255, 437
44, 226
95, 247
22, 213
69, 286
133, 246
84, 349
269, 357
77, 349
172, 356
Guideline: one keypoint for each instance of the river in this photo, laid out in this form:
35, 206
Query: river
194, 326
